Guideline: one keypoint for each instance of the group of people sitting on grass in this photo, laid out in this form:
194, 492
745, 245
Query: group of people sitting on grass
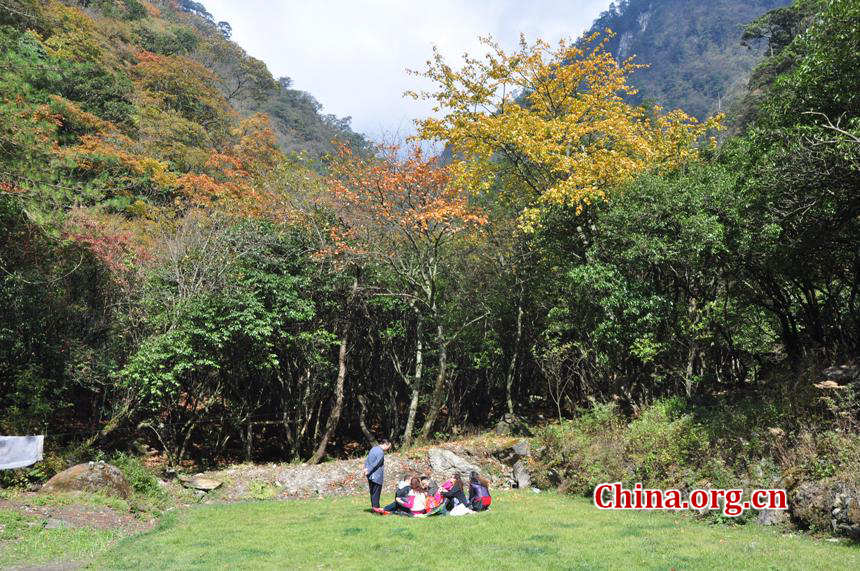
420, 497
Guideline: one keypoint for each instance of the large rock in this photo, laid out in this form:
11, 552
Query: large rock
93, 477
512, 425
842, 373
521, 448
511, 454
200, 483
810, 505
772, 517
845, 513
522, 478
827, 505
446, 462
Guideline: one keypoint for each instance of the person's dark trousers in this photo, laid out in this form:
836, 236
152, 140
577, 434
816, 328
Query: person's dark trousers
375, 491
477, 505
396, 508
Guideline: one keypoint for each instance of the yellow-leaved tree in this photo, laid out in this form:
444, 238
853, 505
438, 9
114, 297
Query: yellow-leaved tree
550, 122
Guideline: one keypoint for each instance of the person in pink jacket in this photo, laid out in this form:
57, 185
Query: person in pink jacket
416, 501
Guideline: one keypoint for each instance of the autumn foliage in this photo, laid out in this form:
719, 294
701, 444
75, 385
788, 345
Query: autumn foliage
384, 201
558, 118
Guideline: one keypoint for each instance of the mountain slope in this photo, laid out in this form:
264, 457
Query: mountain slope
245, 81
692, 47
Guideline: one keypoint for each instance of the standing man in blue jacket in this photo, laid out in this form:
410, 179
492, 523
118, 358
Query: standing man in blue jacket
374, 470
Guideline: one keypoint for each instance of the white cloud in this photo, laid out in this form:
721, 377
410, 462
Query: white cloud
352, 56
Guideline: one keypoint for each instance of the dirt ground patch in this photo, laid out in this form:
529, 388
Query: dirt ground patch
73, 514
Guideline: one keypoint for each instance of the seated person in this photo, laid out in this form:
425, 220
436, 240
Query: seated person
416, 500
435, 500
479, 492
430, 486
452, 491
402, 491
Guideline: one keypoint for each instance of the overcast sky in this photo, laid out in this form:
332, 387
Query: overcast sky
352, 55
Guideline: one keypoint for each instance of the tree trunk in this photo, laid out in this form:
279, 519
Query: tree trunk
317, 423
512, 366
416, 385
116, 420
693, 353
338, 390
361, 422
338, 398
437, 399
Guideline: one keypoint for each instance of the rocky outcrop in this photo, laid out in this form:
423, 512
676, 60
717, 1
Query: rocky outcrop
200, 483
516, 456
845, 514
446, 462
772, 517
512, 425
510, 454
809, 505
842, 374
522, 478
92, 477
829, 505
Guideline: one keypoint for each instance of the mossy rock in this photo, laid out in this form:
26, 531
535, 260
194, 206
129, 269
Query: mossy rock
92, 477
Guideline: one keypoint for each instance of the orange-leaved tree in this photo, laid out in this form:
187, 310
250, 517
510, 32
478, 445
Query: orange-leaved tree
400, 213
236, 178
550, 123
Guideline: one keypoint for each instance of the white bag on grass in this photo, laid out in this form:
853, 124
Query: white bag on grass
460, 509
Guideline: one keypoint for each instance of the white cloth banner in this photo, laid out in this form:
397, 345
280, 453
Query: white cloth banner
20, 451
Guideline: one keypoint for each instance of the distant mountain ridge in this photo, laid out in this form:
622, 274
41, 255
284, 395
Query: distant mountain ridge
692, 47
296, 116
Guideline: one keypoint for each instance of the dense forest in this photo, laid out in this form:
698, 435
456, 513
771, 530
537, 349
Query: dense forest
188, 246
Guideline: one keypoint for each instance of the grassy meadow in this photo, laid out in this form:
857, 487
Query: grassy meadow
523, 530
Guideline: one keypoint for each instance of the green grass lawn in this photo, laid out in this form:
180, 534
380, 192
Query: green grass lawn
25, 541
523, 530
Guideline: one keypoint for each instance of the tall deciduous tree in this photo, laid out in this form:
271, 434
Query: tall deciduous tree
405, 216
551, 122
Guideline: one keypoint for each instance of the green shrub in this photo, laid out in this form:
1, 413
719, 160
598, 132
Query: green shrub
262, 490
674, 444
142, 481
577, 455
666, 446
37, 473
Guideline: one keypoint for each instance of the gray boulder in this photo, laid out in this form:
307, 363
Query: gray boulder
827, 505
92, 477
511, 454
521, 449
845, 513
512, 425
810, 505
446, 462
842, 373
772, 517
522, 478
